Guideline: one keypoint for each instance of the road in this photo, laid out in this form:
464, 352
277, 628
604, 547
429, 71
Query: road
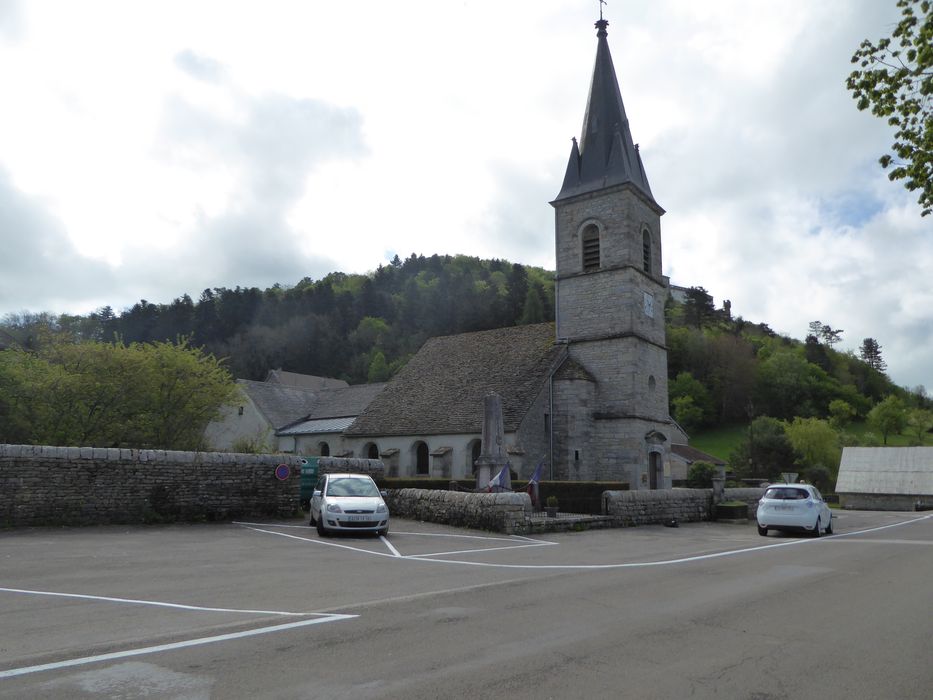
272, 611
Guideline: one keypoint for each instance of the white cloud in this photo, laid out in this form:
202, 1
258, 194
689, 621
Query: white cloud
159, 149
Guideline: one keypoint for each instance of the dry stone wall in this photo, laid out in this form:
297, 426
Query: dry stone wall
502, 512
90, 485
661, 506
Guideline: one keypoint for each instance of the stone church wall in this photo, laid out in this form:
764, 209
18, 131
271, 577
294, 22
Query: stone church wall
502, 512
89, 485
661, 506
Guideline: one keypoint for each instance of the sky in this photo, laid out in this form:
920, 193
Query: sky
154, 149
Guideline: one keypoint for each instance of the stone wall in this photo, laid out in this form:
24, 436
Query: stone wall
89, 485
881, 501
502, 512
658, 507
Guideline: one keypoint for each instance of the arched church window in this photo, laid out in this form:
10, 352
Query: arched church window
372, 451
646, 250
324, 449
591, 248
651, 383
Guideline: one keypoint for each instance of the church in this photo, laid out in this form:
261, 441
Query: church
587, 394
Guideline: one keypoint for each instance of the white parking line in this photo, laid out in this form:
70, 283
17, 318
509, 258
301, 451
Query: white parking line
154, 603
10, 673
389, 545
594, 567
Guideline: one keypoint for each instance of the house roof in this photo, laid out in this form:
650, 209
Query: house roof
606, 154
303, 381
441, 389
886, 470
312, 427
278, 403
345, 401
692, 454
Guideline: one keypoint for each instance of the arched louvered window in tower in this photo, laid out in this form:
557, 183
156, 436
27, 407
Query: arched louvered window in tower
590, 248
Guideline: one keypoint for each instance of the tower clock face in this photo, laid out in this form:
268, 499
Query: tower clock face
648, 301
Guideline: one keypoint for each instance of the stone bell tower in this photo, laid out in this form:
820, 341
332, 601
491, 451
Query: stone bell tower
610, 297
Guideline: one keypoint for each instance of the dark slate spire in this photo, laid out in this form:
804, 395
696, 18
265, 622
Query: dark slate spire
606, 154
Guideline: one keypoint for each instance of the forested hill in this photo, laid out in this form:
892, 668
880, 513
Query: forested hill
362, 328
355, 327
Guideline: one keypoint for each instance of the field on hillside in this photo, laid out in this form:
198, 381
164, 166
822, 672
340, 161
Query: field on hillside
720, 442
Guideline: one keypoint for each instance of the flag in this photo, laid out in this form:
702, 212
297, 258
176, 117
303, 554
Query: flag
500, 479
536, 476
532, 487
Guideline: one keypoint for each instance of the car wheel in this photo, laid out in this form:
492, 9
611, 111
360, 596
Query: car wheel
816, 529
320, 529
384, 532
763, 531
829, 526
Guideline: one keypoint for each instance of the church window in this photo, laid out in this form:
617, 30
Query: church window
646, 250
324, 449
590, 248
372, 451
651, 383
421, 459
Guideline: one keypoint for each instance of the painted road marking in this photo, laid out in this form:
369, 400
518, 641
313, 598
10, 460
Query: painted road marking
388, 544
10, 673
154, 603
626, 565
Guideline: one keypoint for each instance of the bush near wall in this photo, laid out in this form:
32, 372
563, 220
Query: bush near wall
584, 497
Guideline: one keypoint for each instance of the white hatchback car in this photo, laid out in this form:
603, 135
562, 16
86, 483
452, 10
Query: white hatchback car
348, 503
794, 508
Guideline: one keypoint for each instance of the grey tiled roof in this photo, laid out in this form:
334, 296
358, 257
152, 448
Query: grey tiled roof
442, 387
280, 404
303, 381
886, 470
347, 401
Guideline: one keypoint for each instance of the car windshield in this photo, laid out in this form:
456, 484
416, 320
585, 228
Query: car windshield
348, 486
787, 494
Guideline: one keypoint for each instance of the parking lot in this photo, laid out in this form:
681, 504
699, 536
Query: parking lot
185, 610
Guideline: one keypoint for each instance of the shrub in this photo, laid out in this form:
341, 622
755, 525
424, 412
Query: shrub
700, 475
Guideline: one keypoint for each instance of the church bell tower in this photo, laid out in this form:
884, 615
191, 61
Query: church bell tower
610, 296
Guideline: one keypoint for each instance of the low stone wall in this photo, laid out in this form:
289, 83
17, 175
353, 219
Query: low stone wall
751, 496
89, 485
882, 501
502, 512
661, 506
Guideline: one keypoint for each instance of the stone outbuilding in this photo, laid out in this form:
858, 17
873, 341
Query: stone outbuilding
885, 478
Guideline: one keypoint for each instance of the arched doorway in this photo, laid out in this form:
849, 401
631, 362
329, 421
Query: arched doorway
324, 449
371, 450
655, 471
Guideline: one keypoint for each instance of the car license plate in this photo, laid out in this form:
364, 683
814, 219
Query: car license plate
783, 507
357, 517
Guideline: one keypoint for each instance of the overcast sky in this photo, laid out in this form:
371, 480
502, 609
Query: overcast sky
152, 149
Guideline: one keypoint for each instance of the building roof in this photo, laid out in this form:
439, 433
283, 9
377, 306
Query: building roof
606, 155
441, 389
692, 454
321, 425
886, 470
303, 381
278, 403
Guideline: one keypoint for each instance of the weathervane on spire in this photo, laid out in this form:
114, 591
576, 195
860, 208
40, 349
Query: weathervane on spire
602, 23
601, 3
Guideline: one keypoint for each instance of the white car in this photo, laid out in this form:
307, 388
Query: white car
348, 503
794, 508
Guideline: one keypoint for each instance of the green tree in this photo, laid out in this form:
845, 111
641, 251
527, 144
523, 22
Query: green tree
920, 422
895, 80
533, 308
766, 451
841, 414
870, 352
815, 442
154, 395
378, 368
888, 417
687, 413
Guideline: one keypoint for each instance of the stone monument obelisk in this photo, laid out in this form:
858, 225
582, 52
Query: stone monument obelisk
493, 457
